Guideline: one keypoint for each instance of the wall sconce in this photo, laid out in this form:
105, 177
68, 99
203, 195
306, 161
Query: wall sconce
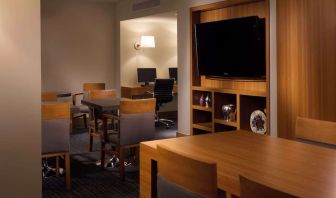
145, 42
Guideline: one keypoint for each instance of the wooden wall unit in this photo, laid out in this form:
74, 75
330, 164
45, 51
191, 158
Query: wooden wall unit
247, 95
306, 36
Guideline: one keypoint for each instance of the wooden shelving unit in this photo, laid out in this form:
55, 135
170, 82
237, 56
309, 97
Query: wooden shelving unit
226, 123
202, 108
246, 95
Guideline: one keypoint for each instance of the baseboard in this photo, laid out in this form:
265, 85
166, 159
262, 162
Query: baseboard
180, 134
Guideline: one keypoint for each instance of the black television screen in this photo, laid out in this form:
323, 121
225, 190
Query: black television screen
173, 73
233, 48
146, 75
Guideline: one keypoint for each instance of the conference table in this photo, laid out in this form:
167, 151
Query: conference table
102, 105
294, 167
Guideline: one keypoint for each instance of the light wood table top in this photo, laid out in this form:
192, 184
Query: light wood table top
297, 168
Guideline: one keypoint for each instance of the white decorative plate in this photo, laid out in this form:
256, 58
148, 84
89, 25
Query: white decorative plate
258, 122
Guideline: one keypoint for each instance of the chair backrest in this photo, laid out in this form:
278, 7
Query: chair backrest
49, 96
183, 176
93, 86
55, 127
252, 189
316, 130
137, 106
163, 90
102, 94
137, 121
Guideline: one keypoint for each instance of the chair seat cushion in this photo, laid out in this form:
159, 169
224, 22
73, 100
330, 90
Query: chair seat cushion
80, 109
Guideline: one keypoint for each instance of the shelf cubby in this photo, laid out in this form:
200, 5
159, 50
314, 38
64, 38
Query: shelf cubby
199, 131
197, 94
205, 126
223, 128
248, 104
221, 99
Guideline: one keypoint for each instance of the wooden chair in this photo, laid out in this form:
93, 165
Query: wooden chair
316, 131
55, 135
94, 122
49, 96
79, 110
136, 123
184, 176
252, 189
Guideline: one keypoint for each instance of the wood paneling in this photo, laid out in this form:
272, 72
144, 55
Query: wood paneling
243, 10
316, 130
306, 36
248, 85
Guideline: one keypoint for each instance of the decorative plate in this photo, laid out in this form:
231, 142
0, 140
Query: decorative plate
258, 122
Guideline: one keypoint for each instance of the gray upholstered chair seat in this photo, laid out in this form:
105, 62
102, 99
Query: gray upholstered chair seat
55, 136
80, 109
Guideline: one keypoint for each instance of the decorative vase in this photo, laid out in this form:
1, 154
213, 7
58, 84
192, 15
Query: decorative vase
207, 101
201, 100
229, 112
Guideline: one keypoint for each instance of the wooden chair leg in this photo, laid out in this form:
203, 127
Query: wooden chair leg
57, 166
102, 155
85, 121
67, 171
90, 139
122, 163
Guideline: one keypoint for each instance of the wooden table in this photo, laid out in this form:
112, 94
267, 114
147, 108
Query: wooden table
102, 105
297, 168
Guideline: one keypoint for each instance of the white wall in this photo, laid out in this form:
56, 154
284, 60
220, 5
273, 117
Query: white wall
163, 56
20, 82
77, 44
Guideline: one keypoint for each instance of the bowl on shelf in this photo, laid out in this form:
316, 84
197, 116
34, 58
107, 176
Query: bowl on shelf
229, 112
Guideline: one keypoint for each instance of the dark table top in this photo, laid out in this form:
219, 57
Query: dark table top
102, 105
62, 94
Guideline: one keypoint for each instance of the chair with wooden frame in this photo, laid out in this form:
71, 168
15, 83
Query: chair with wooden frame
49, 96
184, 176
79, 110
93, 117
136, 123
252, 189
314, 131
55, 135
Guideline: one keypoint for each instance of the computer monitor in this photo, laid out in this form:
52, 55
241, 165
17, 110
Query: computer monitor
173, 73
146, 75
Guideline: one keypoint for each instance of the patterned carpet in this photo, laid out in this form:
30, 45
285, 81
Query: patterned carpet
89, 180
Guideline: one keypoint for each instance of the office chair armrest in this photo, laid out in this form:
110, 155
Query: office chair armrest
74, 97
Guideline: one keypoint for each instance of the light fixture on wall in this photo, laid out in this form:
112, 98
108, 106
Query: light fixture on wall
145, 42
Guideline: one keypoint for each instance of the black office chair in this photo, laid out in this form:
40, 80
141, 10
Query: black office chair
163, 92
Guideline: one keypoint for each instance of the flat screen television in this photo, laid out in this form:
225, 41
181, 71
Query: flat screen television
233, 48
146, 75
